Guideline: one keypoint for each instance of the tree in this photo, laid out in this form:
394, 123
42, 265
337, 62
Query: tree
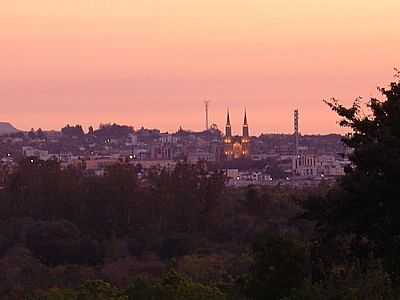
89, 290
113, 131
278, 268
254, 202
72, 131
99, 290
40, 189
110, 202
40, 134
175, 247
173, 286
367, 205
60, 242
61, 294
32, 134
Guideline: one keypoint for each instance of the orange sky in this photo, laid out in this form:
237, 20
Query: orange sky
153, 63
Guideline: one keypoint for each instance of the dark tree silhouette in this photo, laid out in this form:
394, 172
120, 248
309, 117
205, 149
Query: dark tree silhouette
72, 131
278, 268
367, 204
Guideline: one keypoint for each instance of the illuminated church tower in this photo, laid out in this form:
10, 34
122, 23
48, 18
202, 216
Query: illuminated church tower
236, 147
245, 137
228, 128
228, 151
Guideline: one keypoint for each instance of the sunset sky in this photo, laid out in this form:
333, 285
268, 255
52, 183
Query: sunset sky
153, 63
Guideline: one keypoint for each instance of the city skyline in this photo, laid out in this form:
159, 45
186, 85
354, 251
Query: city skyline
153, 64
235, 124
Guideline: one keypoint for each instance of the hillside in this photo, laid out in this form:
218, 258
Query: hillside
7, 128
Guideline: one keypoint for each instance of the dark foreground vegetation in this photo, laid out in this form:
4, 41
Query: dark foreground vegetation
183, 235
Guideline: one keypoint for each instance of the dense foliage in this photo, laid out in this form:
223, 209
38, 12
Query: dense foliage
113, 131
64, 222
72, 131
363, 209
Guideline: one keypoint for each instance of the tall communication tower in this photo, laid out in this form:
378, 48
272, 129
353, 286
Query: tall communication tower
206, 103
296, 131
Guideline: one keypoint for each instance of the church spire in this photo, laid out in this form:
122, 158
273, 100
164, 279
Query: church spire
228, 129
245, 126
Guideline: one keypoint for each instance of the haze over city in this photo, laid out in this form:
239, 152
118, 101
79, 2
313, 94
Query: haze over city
153, 63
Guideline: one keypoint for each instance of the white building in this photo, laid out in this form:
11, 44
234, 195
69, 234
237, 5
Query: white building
29, 151
318, 166
305, 166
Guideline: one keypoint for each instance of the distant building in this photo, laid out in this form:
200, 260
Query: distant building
132, 140
318, 166
236, 147
146, 165
305, 165
236, 178
29, 152
232, 174
199, 155
98, 166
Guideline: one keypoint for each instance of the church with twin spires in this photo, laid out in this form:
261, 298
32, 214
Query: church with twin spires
236, 147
